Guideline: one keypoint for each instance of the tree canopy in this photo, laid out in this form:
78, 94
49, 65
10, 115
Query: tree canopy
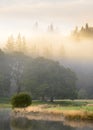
48, 79
21, 100
43, 78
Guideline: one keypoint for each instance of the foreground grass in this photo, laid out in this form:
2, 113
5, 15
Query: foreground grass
66, 105
2, 105
5, 103
75, 110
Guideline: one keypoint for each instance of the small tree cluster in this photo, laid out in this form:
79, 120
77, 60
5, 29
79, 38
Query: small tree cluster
16, 44
21, 100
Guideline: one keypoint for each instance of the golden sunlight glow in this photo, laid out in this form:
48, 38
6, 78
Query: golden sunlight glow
47, 26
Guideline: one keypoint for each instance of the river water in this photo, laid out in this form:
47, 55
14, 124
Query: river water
8, 122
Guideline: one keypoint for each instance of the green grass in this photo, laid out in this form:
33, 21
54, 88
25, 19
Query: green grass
71, 105
57, 105
81, 108
70, 109
67, 103
75, 104
37, 102
64, 108
5, 102
2, 105
88, 108
70, 102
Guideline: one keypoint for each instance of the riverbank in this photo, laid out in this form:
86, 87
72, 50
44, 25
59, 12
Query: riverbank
69, 109
73, 110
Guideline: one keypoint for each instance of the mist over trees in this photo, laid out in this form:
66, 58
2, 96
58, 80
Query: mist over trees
50, 80
16, 45
42, 78
32, 69
84, 72
83, 32
39, 46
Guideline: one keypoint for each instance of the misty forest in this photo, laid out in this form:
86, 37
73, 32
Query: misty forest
47, 70
41, 77
46, 65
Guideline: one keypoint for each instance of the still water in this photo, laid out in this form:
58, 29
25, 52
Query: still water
8, 122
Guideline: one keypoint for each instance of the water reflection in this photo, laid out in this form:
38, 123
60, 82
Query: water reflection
26, 124
37, 123
79, 124
5, 119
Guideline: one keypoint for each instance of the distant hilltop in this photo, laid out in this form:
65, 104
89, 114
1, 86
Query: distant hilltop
83, 32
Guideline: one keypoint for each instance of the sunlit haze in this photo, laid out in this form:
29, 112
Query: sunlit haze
32, 18
46, 59
20, 16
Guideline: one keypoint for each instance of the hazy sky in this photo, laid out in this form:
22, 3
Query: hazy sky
20, 15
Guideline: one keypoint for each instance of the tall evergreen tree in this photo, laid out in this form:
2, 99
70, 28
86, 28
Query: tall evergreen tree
10, 46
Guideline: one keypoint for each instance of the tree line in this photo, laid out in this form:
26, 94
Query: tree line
83, 32
42, 45
44, 79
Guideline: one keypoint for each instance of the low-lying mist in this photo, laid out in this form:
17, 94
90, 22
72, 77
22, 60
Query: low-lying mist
73, 53
54, 45
76, 54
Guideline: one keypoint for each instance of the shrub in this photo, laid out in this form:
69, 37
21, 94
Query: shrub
21, 100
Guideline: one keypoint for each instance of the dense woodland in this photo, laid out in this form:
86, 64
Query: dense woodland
42, 78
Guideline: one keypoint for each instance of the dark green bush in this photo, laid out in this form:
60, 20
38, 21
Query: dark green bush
21, 100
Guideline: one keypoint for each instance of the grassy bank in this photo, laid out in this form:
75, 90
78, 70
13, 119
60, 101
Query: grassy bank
75, 110
5, 103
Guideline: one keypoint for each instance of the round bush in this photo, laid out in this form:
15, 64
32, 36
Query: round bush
21, 100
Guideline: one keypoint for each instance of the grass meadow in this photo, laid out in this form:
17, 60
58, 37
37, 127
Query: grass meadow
70, 109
